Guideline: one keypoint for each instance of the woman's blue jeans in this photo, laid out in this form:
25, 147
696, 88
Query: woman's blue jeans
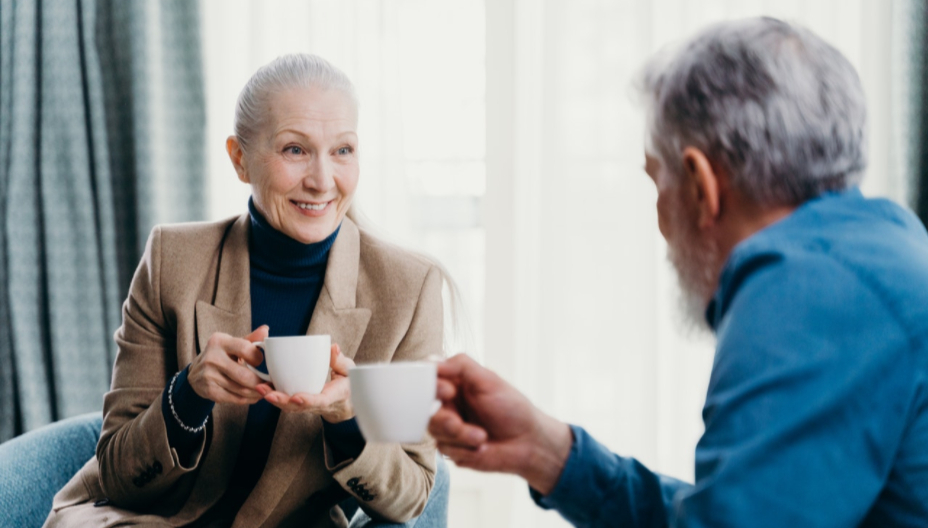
34, 466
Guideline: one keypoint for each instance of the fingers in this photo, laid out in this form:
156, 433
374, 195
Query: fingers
285, 402
487, 457
463, 375
339, 362
462, 456
244, 349
222, 395
239, 373
259, 334
335, 393
242, 394
454, 366
462, 368
236, 348
216, 373
445, 390
448, 427
332, 403
301, 402
310, 402
220, 389
250, 353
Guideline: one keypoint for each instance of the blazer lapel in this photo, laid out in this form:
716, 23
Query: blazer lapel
297, 434
229, 313
336, 313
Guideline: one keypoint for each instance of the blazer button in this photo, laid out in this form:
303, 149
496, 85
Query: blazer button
138, 482
157, 467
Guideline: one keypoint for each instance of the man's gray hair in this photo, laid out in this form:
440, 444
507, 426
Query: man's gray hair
302, 70
778, 108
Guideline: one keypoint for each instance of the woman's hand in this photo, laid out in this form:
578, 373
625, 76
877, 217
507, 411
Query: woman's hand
333, 403
219, 373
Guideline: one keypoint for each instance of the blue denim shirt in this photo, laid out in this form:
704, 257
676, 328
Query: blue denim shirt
817, 408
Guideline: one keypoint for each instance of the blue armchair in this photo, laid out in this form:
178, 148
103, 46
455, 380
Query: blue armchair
34, 466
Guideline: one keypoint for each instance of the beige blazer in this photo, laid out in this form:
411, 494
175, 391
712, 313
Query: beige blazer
378, 302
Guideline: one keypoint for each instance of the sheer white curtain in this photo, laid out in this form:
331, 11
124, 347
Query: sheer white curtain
504, 138
581, 303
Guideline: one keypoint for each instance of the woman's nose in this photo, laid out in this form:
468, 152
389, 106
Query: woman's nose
320, 175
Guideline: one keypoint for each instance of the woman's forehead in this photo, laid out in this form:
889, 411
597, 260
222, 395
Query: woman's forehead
312, 106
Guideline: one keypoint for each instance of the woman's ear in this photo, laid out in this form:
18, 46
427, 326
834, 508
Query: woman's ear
702, 176
237, 155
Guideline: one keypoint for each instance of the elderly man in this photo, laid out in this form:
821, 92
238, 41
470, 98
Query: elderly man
817, 408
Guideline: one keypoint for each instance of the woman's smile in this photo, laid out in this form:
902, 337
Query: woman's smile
312, 209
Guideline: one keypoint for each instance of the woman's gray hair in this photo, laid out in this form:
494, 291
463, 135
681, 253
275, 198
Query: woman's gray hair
776, 106
300, 70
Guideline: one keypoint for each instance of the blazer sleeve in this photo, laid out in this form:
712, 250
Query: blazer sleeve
392, 482
137, 464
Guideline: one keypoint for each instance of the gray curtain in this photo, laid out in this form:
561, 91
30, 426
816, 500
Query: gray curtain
102, 129
916, 33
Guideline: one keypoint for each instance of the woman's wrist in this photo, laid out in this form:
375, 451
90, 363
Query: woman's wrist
187, 408
189, 428
337, 418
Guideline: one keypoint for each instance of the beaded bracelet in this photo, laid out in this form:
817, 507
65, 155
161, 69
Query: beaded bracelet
182, 425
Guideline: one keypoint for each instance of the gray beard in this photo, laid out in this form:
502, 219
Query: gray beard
696, 262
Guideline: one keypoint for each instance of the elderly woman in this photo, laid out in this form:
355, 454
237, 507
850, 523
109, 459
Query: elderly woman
191, 436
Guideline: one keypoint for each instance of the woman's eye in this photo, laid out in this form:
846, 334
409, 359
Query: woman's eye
293, 149
344, 151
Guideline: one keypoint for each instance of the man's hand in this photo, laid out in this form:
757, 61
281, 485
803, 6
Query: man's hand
486, 424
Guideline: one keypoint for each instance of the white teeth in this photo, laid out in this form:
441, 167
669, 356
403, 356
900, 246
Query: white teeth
312, 207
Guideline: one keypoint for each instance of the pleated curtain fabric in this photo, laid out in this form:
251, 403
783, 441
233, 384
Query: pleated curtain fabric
102, 127
918, 93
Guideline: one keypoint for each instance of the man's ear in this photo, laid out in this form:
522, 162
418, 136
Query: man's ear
700, 174
237, 155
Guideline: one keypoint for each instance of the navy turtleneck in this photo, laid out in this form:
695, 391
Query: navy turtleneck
286, 279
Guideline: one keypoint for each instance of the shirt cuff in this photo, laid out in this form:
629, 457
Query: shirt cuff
190, 408
584, 482
344, 438
598, 488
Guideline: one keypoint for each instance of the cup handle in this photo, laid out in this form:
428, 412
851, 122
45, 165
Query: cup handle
262, 375
435, 406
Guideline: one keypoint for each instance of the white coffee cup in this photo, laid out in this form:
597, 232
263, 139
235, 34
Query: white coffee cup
394, 401
296, 363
